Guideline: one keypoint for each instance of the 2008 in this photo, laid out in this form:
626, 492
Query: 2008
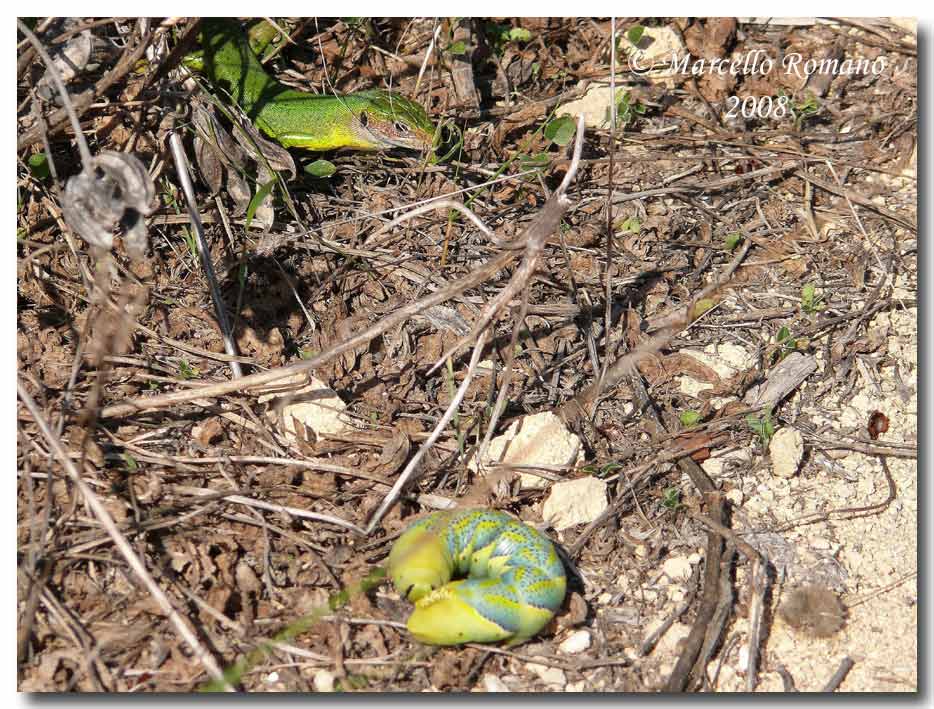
757, 107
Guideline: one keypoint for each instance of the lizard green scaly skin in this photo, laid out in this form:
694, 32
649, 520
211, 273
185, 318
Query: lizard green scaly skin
367, 120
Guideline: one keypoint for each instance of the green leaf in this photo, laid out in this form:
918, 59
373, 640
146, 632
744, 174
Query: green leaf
809, 299
560, 130
258, 200
702, 306
631, 225
457, 48
321, 168
519, 34
130, 462
732, 240
186, 371
689, 418
762, 427
634, 34
671, 498
39, 166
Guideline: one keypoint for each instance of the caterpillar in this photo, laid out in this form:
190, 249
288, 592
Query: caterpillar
515, 581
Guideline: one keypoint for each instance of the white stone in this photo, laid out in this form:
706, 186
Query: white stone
307, 400
492, 683
576, 686
574, 502
726, 359
541, 440
324, 681
548, 675
677, 568
657, 45
786, 450
577, 641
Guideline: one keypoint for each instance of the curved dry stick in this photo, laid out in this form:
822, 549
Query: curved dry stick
123, 546
535, 236
82, 102
410, 469
430, 207
62, 91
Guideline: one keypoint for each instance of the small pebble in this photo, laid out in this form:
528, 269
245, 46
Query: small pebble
677, 568
575, 642
492, 683
324, 681
548, 675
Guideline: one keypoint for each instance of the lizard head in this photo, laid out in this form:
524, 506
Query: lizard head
390, 120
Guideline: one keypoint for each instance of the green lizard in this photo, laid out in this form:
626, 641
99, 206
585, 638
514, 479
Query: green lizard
366, 120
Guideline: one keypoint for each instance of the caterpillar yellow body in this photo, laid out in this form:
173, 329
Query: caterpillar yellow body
515, 581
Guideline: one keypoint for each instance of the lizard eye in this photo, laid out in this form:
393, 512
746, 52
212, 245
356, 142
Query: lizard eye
363, 118
401, 127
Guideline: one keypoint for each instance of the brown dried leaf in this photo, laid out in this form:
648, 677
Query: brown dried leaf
394, 454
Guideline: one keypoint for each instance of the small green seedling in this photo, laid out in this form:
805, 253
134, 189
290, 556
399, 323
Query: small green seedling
626, 109
788, 344
671, 498
39, 166
186, 371
631, 225
634, 33
731, 240
130, 462
762, 426
803, 110
689, 418
810, 301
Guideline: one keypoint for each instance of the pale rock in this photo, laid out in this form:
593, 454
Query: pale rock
726, 359
695, 558
577, 641
655, 47
541, 440
786, 450
677, 568
548, 675
734, 496
307, 400
576, 686
324, 681
574, 502
492, 683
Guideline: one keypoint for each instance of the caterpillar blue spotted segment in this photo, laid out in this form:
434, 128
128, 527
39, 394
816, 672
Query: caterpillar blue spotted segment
515, 581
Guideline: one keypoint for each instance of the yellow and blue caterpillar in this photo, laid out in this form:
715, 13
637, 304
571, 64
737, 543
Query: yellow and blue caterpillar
515, 581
